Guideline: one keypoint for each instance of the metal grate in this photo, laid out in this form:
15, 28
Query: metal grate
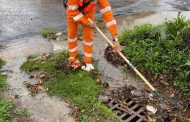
130, 113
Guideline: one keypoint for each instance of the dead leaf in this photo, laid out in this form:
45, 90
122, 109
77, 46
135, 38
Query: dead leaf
174, 120
42, 75
66, 116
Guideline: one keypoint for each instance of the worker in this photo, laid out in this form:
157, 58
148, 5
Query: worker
78, 12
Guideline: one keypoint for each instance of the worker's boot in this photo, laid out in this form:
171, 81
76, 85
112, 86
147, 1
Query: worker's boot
74, 63
88, 67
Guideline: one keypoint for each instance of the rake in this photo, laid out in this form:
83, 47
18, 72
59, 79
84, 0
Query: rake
174, 100
127, 61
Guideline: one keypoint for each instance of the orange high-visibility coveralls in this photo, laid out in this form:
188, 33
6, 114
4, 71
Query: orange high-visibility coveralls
74, 18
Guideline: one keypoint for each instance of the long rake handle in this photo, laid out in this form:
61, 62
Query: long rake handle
126, 60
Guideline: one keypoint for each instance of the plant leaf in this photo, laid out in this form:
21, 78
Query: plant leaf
187, 63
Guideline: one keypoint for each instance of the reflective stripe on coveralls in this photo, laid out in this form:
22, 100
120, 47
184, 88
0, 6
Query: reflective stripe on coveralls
74, 17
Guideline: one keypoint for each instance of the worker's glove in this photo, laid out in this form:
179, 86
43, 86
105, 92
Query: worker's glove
92, 25
116, 45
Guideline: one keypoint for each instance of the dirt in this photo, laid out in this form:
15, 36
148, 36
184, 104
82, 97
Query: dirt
144, 98
112, 56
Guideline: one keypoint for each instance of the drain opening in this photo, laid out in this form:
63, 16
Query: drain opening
135, 119
137, 108
126, 117
130, 113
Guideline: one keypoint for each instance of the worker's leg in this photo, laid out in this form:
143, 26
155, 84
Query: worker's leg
72, 38
88, 38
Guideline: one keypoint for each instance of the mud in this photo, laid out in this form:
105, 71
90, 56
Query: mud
112, 56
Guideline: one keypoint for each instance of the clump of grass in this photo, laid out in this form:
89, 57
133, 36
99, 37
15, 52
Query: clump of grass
1, 63
5, 110
85, 118
3, 84
22, 112
78, 87
162, 50
47, 31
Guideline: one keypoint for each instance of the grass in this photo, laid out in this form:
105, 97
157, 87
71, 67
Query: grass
22, 112
78, 87
3, 84
5, 110
1, 63
161, 50
47, 31
5, 105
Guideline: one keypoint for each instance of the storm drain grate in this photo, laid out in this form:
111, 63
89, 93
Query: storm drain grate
130, 113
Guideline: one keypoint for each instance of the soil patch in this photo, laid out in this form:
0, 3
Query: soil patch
113, 57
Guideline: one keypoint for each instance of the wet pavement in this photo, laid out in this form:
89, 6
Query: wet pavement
20, 26
28, 17
43, 107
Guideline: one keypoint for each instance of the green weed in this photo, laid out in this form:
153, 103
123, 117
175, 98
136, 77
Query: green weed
85, 118
162, 50
47, 31
3, 84
1, 63
22, 112
5, 110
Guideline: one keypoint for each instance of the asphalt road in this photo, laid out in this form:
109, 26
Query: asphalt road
21, 18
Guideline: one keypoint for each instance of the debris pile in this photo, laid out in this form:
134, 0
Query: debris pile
162, 109
37, 87
112, 56
34, 88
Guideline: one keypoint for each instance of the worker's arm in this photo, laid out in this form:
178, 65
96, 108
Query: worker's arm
110, 21
73, 12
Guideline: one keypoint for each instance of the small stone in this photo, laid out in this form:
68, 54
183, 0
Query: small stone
132, 92
150, 96
172, 95
103, 99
